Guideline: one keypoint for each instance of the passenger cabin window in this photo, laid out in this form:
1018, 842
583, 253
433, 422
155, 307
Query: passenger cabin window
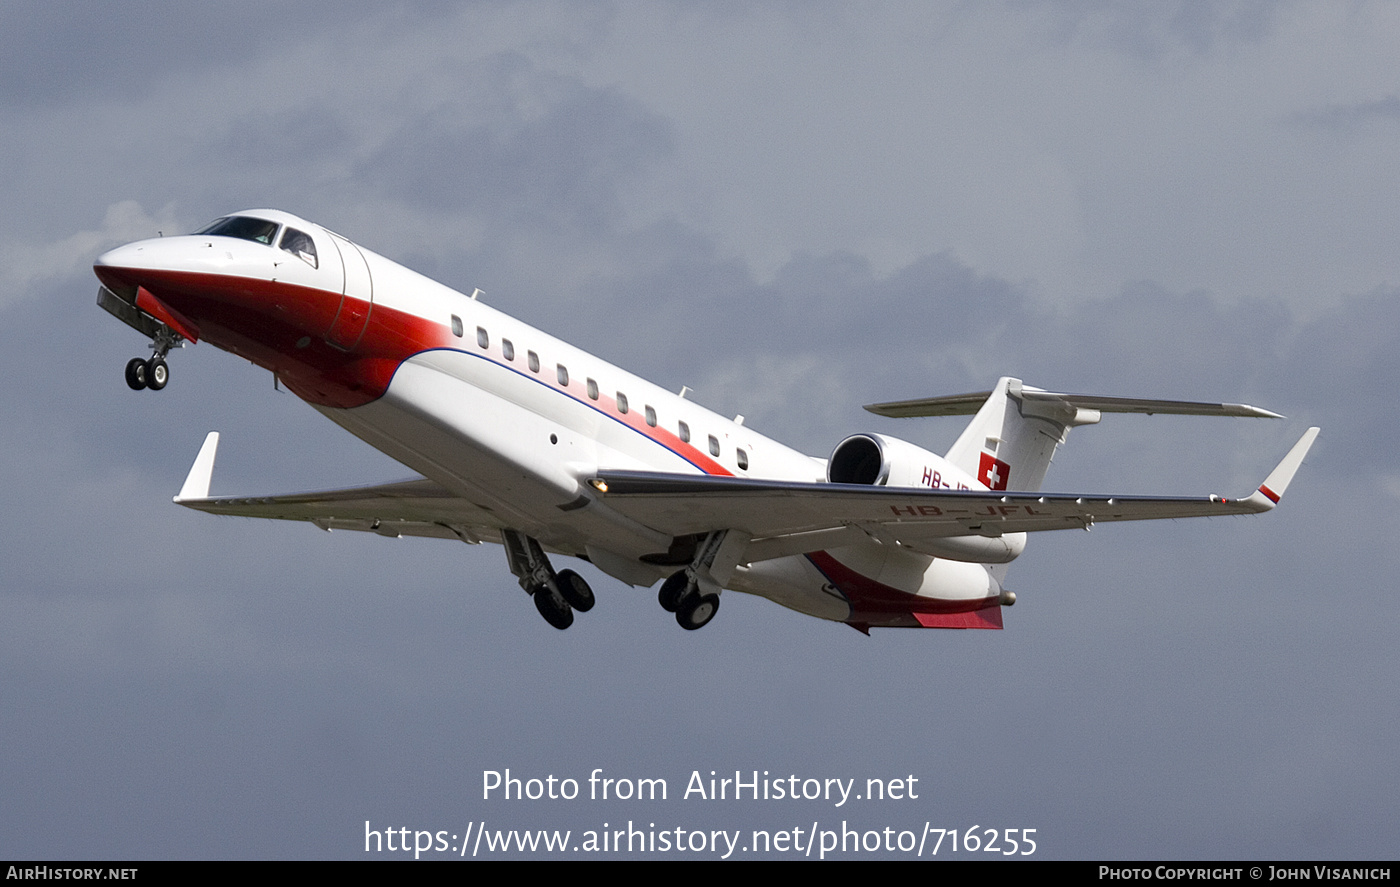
714, 445
242, 227
456, 326
621, 402
507, 349
743, 457
651, 417
592, 390
482, 339
534, 362
300, 244
685, 432
563, 375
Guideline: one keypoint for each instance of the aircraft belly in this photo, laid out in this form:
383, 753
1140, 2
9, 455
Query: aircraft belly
793, 583
885, 587
868, 586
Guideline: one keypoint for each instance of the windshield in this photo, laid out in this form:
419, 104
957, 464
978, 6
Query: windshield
242, 227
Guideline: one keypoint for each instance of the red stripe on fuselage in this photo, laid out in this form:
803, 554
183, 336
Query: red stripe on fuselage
577, 390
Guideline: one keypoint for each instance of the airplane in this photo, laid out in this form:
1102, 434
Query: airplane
523, 439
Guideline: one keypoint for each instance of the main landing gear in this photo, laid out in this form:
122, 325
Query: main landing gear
681, 594
153, 373
693, 594
557, 595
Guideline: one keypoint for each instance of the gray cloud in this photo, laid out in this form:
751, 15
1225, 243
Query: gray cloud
1348, 117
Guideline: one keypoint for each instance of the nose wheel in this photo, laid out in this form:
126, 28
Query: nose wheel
153, 373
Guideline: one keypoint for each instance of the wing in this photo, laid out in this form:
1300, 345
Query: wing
786, 518
408, 508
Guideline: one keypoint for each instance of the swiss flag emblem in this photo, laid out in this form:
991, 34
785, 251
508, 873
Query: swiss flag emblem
993, 472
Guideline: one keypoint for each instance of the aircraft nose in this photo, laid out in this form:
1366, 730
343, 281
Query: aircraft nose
137, 264
120, 257
114, 267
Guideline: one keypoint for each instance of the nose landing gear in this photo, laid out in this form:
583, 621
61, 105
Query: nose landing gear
153, 373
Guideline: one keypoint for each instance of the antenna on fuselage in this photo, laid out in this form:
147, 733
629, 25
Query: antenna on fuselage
476, 291
685, 389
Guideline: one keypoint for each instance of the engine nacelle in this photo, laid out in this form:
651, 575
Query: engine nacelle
881, 461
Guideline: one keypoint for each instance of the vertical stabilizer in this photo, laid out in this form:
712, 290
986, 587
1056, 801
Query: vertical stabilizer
1008, 445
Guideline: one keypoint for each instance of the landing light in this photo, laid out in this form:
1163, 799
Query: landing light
599, 485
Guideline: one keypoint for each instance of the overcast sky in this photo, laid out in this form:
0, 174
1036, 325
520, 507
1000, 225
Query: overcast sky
795, 209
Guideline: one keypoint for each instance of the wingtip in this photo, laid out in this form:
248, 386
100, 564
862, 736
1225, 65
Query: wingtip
1245, 410
201, 472
1271, 491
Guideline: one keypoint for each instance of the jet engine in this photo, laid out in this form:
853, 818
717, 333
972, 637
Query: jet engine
880, 461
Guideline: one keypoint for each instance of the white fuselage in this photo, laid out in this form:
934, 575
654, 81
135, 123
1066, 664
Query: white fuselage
508, 417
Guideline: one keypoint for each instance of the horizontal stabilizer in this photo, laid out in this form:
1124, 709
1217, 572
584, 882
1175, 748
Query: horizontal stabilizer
969, 404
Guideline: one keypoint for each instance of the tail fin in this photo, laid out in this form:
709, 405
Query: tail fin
1009, 444
1011, 440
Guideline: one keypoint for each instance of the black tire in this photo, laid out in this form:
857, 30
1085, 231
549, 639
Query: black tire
575, 590
136, 374
157, 374
672, 590
697, 611
552, 606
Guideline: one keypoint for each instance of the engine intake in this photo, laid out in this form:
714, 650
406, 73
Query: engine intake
876, 460
858, 460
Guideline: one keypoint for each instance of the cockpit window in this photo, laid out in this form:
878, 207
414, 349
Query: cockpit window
242, 227
299, 243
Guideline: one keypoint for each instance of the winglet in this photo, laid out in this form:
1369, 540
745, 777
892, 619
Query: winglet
1273, 487
201, 472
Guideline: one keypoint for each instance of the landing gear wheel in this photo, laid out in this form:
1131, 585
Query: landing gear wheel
136, 374
552, 606
697, 610
672, 591
575, 590
157, 374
